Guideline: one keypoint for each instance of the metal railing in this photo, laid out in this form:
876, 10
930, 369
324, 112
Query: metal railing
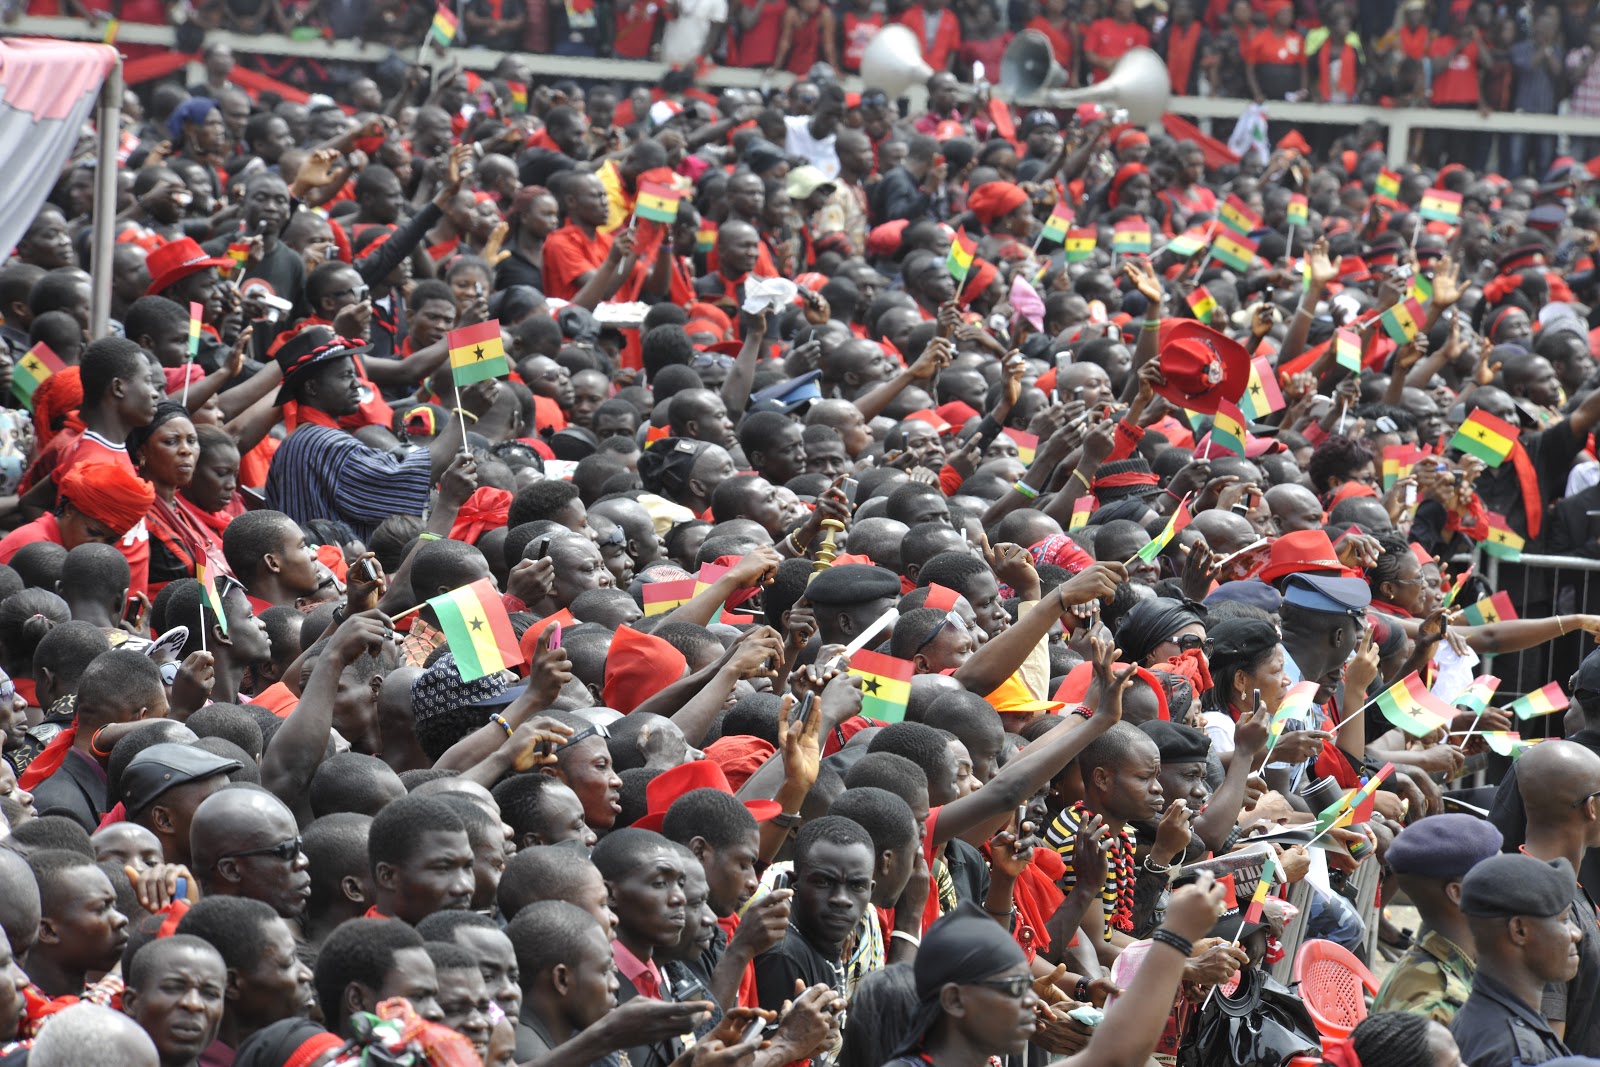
1218, 111
1541, 586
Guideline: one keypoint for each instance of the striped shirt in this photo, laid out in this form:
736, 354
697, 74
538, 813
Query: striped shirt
325, 473
1116, 895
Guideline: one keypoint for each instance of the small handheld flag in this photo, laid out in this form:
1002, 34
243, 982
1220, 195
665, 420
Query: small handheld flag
658, 203
477, 353
1258, 899
705, 238
1027, 444
1186, 244
1476, 699
197, 313
1409, 705
962, 251
32, 370
1398, 460
1160, 541
1501, 541
1201, 303
444, 26
1234, 251
1440, 205
1080, 244
1058, 225
1495, 608
1387, 184
1131, 237
1455, 589
1298, 213
1082, 508
1261, 393
208, 582
662, 597
1486, 436
1228, 429
239, 253
519, 97
1237, 216
1347, 350
1403, 321
477, 628
885, 685
1545, 701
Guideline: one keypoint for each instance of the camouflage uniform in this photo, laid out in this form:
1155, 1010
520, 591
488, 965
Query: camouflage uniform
1433, 978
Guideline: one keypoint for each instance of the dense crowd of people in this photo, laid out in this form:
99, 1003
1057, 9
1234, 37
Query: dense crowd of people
539, 575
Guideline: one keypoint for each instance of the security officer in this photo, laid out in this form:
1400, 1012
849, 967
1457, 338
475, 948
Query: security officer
1429, 858
1520, 912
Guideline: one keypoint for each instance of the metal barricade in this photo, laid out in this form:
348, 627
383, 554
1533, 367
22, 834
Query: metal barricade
1539, 587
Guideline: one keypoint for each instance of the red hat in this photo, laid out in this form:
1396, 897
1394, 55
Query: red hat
1075, 686
668, 786
638, 667
995, 200
956, 412
739, 756
949, 130
979, 278
1202, 367
1302, 550
884, 240
1349, 489
175, 261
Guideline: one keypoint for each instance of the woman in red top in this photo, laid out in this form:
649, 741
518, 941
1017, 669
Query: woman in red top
760, 24
937, 29
809, 34
858, 26
1057, 28
1458, 62
1109, 39
1276, 59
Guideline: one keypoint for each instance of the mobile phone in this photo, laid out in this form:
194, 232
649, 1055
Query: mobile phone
1077, 392
1255, 699
849, 487
540, 548
555, 636
799, 713
369, 569
784, 880
753, 1031
1020, 818
131, 609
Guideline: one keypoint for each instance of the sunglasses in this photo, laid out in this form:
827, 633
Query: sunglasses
283, 850
933, 633
1013, 987
583, 735
1192, 641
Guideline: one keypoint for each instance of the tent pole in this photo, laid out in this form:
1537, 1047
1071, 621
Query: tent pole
108, 122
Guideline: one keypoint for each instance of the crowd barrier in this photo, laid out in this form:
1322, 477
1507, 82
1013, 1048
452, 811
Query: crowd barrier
1539, 587
1215, 115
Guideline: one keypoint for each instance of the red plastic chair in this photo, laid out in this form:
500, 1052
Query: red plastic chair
1333, 986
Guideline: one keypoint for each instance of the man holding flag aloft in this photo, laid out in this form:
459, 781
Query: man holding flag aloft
322, 471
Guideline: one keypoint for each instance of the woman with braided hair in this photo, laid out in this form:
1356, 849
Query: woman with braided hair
1396, 1039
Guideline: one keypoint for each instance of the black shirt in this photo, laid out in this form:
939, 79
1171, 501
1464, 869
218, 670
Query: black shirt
791, 958
1577, 1002
1495, 1029
898, 196
1510, 817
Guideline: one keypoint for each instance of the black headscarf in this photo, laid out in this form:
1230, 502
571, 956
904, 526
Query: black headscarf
275, 1045
666, 465
1236, 644
1151, 622
964, 946
166, 411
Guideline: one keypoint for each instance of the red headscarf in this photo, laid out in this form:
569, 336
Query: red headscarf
1124, 173
995, 200
58, 396
638, 667
108, 493
486, 509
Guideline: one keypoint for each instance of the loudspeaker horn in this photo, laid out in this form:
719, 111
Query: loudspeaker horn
893, 62
1029, 66
1138, 84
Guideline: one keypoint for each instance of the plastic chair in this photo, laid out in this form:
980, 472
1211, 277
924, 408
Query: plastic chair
1333, 986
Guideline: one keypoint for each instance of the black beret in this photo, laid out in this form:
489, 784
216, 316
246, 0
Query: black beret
853, 583
1178, 743
1444, 847
1513, 884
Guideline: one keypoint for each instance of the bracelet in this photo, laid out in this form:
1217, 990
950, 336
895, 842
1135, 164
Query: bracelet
1026, 490
999, 914
427, 536
1152, 324
1155, 868
911, 939
787, 820
94, 744
1173, 495
1163, 936
465, 414
1078, 474
500, 721
1561, 625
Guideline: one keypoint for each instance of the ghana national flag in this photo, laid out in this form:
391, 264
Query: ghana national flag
1160, 541
1455, 589
1187, 243
208, 583
32, 370
1237, 216
1059, 224
1298, 213
519, 97
477, 628
1507, 742
1495, 608
1387, 184
662, 597
885, 684
1080, 244
1261, 393
1131, 236
658, 203
1545, 701
1027, 444
705, 238
1501, 540
1397, 462
1258, 899
1347, 350
1082, 508
1476, 699
1228, 429
477, 353
1234, 251
1410, 706
1489, 437
962, 251
1403, 321
444, 26
1440, 205
197, 313
1201, 303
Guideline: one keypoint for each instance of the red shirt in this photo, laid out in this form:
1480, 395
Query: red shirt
90, 447
946, 36
636, 25
1060, 40
758, 46
1455, 82
859, 30
568, 254
44, 528
1109, 39
1273, 49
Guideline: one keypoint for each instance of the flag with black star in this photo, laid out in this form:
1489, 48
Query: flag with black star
885, 684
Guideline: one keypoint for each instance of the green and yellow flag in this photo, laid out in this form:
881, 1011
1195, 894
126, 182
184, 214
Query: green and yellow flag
885, 685
477, 628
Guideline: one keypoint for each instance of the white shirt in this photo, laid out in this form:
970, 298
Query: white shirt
683, 39
819, 153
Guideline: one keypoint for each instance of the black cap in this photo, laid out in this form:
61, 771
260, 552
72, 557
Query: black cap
308, 348
853, 583
167, 766
1513, 884
1443, 847
1178, 743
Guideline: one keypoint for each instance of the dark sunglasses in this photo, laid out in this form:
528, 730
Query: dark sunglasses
583, 735
1013, 987
1192, 641
283, 850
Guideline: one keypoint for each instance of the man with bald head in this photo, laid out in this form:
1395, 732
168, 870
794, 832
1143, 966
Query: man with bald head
879, 540
700, 414
1294, 508
88, 1033
396, 724
1560, 786
846, 418
19, 903
1225, 531
644, 548
739, 252
1091, 378
244, 843
856, 367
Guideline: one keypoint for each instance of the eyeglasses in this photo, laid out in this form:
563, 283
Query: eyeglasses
615, 537
1013, 987
283, 850
1586, 799
227, 583
583, 735
933, 633
1189, 642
